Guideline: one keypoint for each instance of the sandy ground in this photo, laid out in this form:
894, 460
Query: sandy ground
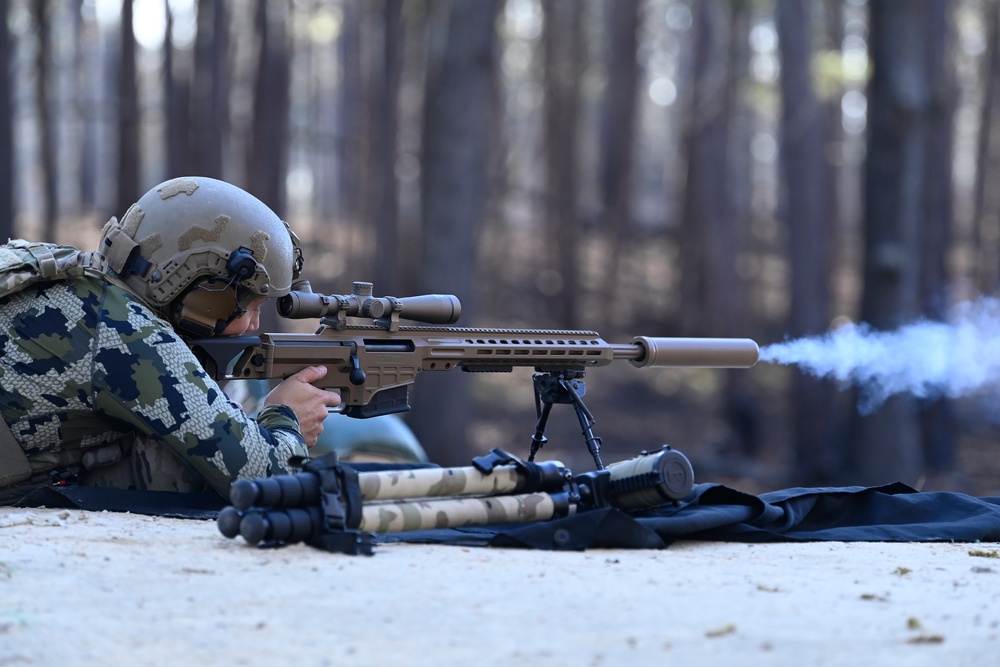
79, 588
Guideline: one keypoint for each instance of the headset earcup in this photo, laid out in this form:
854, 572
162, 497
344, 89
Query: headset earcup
241, 264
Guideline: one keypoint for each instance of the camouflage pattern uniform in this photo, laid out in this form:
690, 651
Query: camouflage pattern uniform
92, 382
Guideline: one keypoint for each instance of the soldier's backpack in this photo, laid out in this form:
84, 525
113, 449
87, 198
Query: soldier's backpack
25, 263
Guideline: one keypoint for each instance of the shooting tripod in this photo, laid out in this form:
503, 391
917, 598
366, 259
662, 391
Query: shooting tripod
335, 507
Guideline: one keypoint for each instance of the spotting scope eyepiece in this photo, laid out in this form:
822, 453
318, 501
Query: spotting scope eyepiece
303, 303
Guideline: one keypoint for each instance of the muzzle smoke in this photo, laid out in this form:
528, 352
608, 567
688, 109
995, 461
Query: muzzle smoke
929, 359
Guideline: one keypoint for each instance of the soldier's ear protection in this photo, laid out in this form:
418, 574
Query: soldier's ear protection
205, 309
241, 265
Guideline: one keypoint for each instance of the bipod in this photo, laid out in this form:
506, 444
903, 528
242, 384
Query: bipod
568, 387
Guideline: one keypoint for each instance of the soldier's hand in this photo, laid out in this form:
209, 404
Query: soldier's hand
311, 404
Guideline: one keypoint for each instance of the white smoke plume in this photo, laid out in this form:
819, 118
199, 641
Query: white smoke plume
929, 359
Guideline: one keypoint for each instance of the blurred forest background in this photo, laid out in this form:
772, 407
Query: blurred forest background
747, 168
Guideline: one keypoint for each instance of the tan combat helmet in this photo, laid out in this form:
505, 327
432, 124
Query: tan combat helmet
200, 251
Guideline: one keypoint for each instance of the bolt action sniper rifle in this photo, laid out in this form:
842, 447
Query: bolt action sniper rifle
333, 506
372, 359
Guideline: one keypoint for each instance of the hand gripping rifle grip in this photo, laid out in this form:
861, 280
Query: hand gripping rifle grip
696, 352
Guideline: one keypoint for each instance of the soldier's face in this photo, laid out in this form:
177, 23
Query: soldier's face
248, 321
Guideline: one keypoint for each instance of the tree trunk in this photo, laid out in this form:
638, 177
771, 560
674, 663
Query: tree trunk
986, 213
456, 147
352, 156
6, 131
713, 299
176, 101
268, 154
128, 116
618, 135
898, 175
208, 113
45, 124
563, 45
807, 201
936, 416
383, 132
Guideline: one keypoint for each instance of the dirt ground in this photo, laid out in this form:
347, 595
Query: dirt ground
97, 588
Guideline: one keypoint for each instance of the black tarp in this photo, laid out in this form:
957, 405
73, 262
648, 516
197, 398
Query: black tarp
891, 513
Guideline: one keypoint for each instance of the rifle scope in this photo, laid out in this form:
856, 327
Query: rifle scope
302, 303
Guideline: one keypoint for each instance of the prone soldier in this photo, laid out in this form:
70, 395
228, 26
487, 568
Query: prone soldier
97, 382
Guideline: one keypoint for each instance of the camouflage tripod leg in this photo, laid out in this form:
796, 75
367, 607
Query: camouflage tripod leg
458, 512
295, 524
462, 481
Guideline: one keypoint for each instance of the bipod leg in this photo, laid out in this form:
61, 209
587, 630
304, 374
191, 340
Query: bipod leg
543, 409
587, 422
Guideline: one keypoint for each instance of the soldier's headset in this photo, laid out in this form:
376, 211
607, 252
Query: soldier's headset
204, 310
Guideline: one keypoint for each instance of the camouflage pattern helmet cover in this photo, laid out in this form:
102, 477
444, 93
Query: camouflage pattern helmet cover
189, 240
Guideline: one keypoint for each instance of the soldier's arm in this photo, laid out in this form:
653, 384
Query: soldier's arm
146, 379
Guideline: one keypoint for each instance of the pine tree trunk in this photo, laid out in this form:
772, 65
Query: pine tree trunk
458, 104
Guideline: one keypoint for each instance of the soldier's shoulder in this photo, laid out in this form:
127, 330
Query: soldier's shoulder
24, 264
119, 304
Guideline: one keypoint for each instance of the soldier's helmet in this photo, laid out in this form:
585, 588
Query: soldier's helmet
200, 251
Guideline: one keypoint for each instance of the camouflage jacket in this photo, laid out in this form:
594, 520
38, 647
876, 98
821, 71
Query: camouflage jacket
83, 363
